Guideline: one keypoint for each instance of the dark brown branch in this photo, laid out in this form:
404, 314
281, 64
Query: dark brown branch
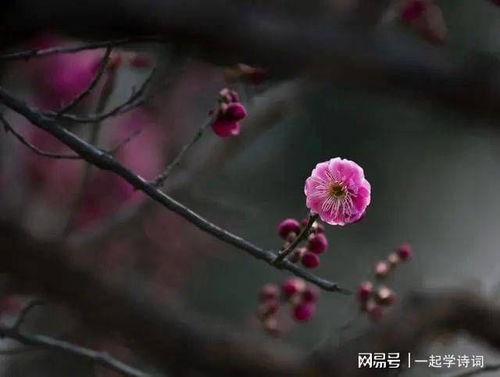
106, 161
277, 103
48, 342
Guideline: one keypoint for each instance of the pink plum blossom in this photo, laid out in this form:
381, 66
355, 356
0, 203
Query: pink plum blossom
337, 191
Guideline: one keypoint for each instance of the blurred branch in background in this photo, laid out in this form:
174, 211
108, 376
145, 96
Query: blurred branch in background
48, 342
287, 43
175, 340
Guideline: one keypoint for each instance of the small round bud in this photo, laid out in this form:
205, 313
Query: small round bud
310, 294
304, 312
393, 259
317, 243
385, 296
292, 286
235, 111
288, 226
310, 260
365, 290
382, 269
269, 292
404, 251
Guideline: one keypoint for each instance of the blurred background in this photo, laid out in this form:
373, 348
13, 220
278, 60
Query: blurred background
434, 173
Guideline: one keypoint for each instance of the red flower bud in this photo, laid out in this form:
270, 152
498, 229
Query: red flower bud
293, 286
288, 226
404, 251
382, 269
365, 290
413, 10
385, 296
235, 111
304, 312
310, 260
310, 294
317, 243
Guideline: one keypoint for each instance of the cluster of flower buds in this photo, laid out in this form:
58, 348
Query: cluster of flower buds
315, 244
374, 297
228, 113
301, 296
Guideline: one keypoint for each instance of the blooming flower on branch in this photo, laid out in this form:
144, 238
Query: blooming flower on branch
337, 191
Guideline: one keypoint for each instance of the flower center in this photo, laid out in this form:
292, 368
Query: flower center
337, 190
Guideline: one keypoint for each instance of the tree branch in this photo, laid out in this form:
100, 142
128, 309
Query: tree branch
172, 338
91, 86
287, 43
161, 178
119, 305
44, 341
106, 161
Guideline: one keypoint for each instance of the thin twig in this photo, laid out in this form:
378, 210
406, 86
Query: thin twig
125, 141
97, 77
38, 53
100, 358
135, 99
32, 147
160, 180
301, 237
24, 313
93, 140
106, 161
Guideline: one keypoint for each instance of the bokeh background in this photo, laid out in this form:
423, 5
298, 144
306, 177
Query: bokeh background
434, 172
